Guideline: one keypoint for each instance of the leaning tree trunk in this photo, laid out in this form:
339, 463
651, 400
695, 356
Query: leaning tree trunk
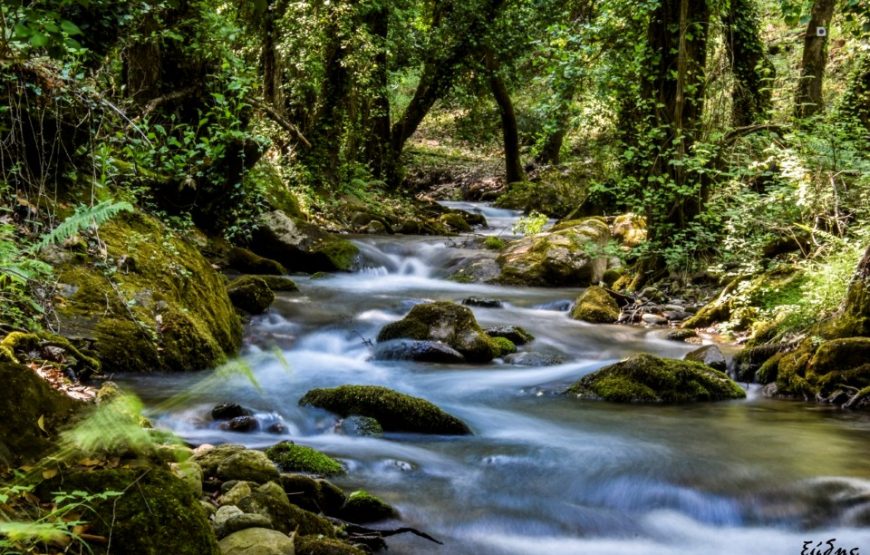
750, 66
513, 164
809, 92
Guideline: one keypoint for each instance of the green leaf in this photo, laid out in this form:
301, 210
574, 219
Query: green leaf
38, 39
70, 28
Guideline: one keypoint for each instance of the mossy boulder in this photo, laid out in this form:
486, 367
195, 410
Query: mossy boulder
650, 379
152, 303
257, 541
291, 457
20, 346
419, 351
566, 257
313, 494
362, 507
210, 457
280, 284
595, 305
311, 545
396, 412
853, 318
230, 519
629, 229
248, 262
300, 246
503, 346
361, 426
32, 412
251, 294
450, 323
270, 501
149, 514
516, 334
710, 355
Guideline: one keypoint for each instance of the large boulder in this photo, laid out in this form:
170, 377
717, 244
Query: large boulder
396, 412
450, 323
32, 413
710, 355
300, 246
257, 541
565, 256
145, 300
650, 379
420, 351
595, 305
248, 262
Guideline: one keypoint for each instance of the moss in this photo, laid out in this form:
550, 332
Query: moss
455, 222
516, 334
494, 243
147, 517
649, 379
248, 465
307, 523
447, 322
280, 284
7, 354
341, 253
395, 411
630, 229
769, 369
24, 399
461, 277
298, 458
34, 343
681, 334
362, 507
157, 305
503, 346
595, 305
248, 262
311, 545
251, 294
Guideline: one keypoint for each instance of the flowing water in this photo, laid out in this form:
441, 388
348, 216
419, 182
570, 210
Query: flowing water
542, 473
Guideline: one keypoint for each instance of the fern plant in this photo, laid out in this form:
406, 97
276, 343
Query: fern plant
83, 218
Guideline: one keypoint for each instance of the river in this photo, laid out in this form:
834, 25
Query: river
542, 473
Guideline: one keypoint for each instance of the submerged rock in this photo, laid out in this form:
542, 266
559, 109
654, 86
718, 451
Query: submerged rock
251, 294
567, 256
482, 302
649, 379
257, 541
449, 323
533, 359
228, 411
240, 424
710, 355
420, 351
396, 412
595, 305
299, 458
301, 247
362, 507
360, 426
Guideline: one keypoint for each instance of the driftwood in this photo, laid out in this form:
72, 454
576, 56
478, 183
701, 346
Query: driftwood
373, 539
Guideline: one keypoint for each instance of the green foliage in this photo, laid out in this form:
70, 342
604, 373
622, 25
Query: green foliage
531, 224
84, 217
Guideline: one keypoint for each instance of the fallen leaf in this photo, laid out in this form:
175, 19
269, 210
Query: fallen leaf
41, 423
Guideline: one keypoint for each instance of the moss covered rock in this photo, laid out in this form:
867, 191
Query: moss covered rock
251, 294
210, 457
362, 507
248, 464
148, 517
649, 379
248, 262
311, 545
447, 322
25, 398
853, 319
516, 334
257, 541
395, 411
298, 458
301, 247
595, 305
503, 346
269, 501
280, 284
568, 256
710, 355
154, 304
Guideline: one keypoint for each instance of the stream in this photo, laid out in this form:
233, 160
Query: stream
542, 473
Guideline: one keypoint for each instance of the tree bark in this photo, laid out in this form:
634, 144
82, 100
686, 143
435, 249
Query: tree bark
377, 150
856, 102
809, 92
513, 163
750, 66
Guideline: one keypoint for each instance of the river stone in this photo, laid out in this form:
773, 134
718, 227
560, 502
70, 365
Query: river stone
447, 322
396, 412
361, 426
654, 319
709, 355
209, 457
311, 545
300, 246
191, 473
419, 351
250, 465
516, 334
257, 541
229, 519
247, 262
228, 411
291, 457
595, 305
250, 294
270, 501
482, 302
240, 424
557, 258
681, 334
362, 507
236, 493
533, 359
650, 379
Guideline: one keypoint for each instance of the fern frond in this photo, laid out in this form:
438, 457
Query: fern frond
83, 218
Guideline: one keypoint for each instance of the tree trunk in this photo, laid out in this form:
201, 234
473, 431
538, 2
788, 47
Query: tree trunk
513, 163
856, 102
270, 63
378, 151
809, 93
750, 66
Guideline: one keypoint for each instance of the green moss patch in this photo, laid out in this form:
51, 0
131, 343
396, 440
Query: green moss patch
362, 507
298, 458
595, 305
